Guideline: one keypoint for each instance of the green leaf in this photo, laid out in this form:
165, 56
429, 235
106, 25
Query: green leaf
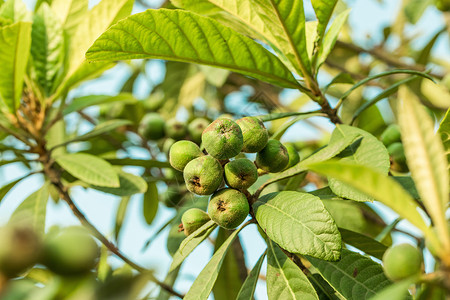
397, 291
138, 162
408, 184
444, 131
276, 116
282, 129
15, 41
86, 101
363, 243
284, 279
426, 160
47, 47
190, 243
89, 168
415, 9
32, 210
120, 216
150, 203
186, 37
299, 223
323, 10
129, 185
381, 188
15, 10
203, 284
7, 187
248, 288
354, 276
70, 13
368, 151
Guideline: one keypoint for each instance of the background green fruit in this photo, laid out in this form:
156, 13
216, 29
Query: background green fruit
193, 219
71, 252
203, 175
228, 208
175, 129
196, 128
273, 158
240, 173
402, 261
255, 134
167, 145
391, 135
398, 158
182, 152
152, 126
223, 139
294, 157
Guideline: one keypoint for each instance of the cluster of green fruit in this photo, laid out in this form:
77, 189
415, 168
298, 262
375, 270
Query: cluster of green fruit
402, 261
68, 252
391, 138
205, 172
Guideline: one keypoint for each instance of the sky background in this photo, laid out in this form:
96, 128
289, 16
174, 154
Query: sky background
367, 18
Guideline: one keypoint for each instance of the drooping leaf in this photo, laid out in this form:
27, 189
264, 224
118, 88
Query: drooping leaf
363, 243
368, 151
146, 163
276, 116
299, 223
426, 160
203, 284
15, 42
444, 131
129, 185
7, 187
87, 101
150, 202
70, 13
89, 168
187, 37
120, 216
248, 288
32, 210
354, 276
285, 280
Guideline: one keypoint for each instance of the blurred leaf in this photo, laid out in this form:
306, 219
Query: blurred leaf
436, 93
129, 185
311, 37
285, 280
276, 116
7, 187
40, 275
15, 42
299, 223
174, 239
371, 120
248, 288
193, 87
354, 276
215, 76
408, 184
15, 10
396, 291
150, 203
444, 131
89, 168
363, 243
426, 160
86, 101
424, 54
70, 13
283, 128
138, 162
339, 79
170, 281
55, 136
120, 216
414, 9
239, 53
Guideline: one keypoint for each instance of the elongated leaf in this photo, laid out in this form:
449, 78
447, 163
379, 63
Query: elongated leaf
15, 10
32, 210
299, 223
70, 13
190, 243
129, 185
444, 131
363, 243
139, 162
89, 168
120, 216
323, 10
276, 116
187, 37
354, 276
248, 288
150, 203
368, 151
426, 160
86, 101
15, 42
282, 129
397, 291
47, 47
381, 188
7, 187
284, 279
203, 284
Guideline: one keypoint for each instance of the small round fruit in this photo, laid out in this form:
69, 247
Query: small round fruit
391, 135
228, 208
223, 139
71, 252
193, 219
402, 261
255, 134
196, 128
172, 197
182, 152
152, 126
294, 157
203, 175
175, 129
273, 158
20, 249
398, 158
240, 173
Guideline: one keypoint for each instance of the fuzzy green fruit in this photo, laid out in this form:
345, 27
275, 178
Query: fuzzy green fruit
402, 261
240, 173
196, 128
182, 152
175, 129
203, 175
255, 134
398, 158
391, 135
193, 219
273, 158
228, 208
294, 157
71, 252
223, 139
152, 126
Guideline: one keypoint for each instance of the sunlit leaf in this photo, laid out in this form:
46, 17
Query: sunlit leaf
248, 288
